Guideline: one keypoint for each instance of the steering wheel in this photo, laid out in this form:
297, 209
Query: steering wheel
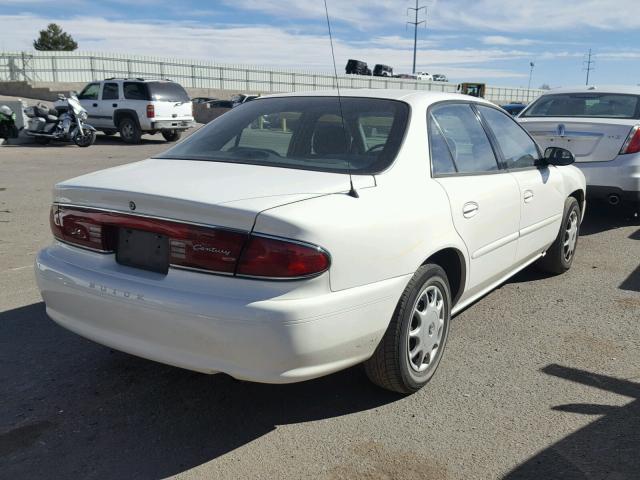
379, 146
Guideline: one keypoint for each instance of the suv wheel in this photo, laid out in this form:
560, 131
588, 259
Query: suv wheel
129, 130
412, 347
171, 135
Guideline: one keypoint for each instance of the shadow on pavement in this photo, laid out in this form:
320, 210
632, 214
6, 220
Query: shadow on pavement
75, 409
606, 448
600, 218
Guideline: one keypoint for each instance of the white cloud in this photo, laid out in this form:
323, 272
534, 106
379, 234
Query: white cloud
259, 45
502, 40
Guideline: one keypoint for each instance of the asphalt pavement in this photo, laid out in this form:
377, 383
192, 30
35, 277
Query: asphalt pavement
540, 380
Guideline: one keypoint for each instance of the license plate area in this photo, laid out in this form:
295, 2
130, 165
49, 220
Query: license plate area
145, 250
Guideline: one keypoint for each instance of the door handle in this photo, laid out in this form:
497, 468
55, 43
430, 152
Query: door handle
95, 104
528, 196
470, 209
114, 104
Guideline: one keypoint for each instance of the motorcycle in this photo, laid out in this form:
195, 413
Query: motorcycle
8, 127
65, 122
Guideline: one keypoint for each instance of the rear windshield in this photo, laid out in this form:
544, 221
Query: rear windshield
303, 132
603, 105
168, 92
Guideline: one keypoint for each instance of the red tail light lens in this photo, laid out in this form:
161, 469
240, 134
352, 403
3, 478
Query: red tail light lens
210, 249
151, 111
632, 143
275, 258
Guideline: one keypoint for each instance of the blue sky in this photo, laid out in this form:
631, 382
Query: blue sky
483, 40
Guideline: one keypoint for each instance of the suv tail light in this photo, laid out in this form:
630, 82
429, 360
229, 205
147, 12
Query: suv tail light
151, 111
632, 143
209, 249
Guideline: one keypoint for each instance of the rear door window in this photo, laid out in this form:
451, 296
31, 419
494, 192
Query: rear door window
168, 92
603, 105
467, 141
110, 91
135, 91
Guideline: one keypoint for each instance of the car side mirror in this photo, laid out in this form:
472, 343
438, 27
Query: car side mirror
558, 156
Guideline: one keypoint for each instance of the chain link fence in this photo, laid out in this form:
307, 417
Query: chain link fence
66, 67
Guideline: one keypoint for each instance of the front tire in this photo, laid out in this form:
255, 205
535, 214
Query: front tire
412, 347
85, 140
559, 256
171, 135
129, 130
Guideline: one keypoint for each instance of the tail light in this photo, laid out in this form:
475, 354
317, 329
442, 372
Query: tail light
275, 258
151, 111
215, 250
632, 143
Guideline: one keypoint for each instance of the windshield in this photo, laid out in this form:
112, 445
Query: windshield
168, 92
602, 105
303, 132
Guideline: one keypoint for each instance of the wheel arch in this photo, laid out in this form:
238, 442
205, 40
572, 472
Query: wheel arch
125, 112
579, 195
453, 262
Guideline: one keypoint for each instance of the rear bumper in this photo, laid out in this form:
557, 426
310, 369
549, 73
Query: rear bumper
273, 332
621, 175
172, 124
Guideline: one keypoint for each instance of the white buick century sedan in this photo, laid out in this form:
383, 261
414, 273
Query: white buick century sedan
300, 234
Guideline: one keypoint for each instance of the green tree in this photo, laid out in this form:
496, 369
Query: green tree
54, 38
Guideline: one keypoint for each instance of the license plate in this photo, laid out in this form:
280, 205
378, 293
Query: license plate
146, 250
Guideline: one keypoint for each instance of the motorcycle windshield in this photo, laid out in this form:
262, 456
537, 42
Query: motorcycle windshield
75, 105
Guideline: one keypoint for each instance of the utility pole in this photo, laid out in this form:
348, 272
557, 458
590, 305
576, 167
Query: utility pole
531, 64
588, 65
415, 24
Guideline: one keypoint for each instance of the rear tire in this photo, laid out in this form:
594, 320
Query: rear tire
171, 135
559, 256
129, 130
412, 347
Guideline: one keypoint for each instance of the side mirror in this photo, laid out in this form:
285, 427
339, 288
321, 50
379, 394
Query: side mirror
558, 156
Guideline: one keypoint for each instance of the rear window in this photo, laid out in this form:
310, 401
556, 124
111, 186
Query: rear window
303, 132
168, 92
603, 105
135, 91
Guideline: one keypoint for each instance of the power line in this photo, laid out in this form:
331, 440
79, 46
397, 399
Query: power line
415, 24
588, 65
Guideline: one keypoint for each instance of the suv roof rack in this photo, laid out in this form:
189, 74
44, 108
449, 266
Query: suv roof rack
125, 78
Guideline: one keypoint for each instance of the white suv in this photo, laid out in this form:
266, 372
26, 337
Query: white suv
133, 106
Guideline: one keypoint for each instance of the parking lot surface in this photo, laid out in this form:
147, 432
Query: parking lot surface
541, 378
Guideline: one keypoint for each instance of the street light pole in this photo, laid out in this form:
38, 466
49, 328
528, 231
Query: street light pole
531, 64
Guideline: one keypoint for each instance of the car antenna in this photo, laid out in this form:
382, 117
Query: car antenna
352, 191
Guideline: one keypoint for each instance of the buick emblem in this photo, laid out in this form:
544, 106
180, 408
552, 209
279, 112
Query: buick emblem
132, 206
561, 129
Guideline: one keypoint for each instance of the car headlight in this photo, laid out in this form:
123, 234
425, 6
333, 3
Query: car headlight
83, 116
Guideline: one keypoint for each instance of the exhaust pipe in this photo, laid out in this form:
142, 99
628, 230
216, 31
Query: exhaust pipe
613, 199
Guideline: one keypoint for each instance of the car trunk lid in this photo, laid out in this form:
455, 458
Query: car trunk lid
204, 192
589, 139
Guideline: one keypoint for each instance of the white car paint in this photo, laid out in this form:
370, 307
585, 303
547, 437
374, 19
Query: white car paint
596, 143
274, 331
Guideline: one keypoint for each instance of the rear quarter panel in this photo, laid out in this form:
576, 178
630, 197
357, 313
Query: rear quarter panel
389, 231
